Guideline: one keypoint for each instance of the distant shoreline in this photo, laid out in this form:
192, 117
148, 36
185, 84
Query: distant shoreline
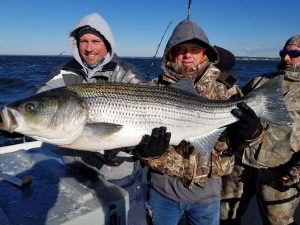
147, 57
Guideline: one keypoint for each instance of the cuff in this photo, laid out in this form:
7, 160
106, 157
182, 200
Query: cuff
257, 140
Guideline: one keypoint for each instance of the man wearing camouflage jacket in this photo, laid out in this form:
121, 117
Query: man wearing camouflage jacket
182, 180
269, 167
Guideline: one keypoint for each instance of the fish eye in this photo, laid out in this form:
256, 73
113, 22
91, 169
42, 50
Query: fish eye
29, 107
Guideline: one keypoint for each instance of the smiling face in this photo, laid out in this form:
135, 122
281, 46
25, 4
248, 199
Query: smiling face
188, 55
290, 56
91, 49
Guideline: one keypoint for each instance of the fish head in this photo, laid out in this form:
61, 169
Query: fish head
54, 117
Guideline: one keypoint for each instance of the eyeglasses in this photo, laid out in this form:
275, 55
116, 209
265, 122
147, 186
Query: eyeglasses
291, 53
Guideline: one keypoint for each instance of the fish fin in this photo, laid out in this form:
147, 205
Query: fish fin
120, 154
185, 84
102, 129
275, 110
205, 144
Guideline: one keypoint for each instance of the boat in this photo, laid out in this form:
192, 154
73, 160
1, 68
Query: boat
37, 188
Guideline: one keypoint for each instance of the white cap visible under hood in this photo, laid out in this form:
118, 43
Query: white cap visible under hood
97, 22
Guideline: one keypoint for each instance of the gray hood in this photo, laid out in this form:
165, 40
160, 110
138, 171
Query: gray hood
187, 30
97, 22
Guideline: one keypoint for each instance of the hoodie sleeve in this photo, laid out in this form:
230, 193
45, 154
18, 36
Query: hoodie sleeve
126, 73
61, 79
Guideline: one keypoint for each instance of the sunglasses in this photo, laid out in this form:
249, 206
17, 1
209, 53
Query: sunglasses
291, 53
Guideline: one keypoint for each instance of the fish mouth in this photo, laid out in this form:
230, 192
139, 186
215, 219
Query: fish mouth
7, 120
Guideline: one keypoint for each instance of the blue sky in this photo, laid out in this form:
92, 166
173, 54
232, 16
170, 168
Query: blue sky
247, 28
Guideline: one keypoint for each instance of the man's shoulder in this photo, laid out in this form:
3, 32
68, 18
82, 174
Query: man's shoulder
224, 77
259, 80
72, 65
228, 79
268, 75
123, 71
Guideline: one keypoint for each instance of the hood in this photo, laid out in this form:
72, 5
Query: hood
97, 22
188, 30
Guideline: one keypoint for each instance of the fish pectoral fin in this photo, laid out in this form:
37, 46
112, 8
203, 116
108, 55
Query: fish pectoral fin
102, 129
205, 144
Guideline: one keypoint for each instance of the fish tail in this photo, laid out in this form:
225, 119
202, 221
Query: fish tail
271, 94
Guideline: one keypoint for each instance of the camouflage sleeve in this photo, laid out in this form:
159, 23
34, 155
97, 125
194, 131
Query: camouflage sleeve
248, 147
276, 144
182, 162
222, 155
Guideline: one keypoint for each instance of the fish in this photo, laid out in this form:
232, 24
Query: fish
104, 116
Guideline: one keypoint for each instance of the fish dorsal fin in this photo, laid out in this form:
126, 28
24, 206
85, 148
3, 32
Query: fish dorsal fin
205, 144
185, 84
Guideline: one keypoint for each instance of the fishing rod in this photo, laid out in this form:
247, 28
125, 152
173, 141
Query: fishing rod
189, 9
152, 62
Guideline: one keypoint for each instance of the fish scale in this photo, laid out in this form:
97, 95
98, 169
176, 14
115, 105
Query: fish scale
113, 115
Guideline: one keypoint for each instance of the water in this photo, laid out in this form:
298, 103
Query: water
20, 75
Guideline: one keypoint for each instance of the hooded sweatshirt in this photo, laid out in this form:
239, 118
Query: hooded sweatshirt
110, 69
187, 30
98, 23
170, 186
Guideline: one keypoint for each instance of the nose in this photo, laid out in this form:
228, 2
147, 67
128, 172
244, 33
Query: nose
286, 57
186, 52
89, 47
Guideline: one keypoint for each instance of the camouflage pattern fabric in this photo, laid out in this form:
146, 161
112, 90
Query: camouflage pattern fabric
295, 40
279, 142
277, 199
183, 161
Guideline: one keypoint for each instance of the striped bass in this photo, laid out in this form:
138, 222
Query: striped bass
103, 116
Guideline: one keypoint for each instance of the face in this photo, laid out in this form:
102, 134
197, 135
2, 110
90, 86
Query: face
91, 48
290, 55
188, 55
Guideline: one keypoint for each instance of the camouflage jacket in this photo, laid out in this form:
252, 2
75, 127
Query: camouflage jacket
278, 143
183, 161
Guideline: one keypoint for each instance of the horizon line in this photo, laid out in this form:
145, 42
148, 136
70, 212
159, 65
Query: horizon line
52, 55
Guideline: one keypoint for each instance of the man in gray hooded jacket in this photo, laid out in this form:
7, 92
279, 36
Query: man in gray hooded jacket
93, 47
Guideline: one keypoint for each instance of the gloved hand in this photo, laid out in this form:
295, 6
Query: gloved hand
284, 176
292, 177
280, 177
155, 145
249, 125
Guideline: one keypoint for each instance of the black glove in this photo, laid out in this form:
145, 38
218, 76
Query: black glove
249, 125
154, 145
280, 177
292, 175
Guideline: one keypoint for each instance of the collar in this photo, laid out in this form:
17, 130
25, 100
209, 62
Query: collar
292, 73
176, 72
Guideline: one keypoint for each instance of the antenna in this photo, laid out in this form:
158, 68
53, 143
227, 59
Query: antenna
152, 62
189, 9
